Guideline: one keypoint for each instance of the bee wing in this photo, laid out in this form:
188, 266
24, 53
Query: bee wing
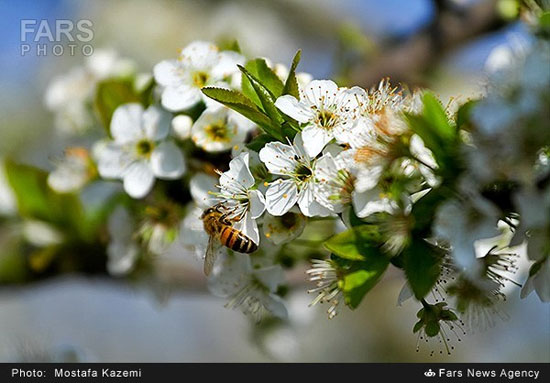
212, 251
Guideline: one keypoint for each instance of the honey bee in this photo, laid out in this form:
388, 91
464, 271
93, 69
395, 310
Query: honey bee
219, 227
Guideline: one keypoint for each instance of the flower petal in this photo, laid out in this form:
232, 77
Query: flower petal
405, 294
285, 228
126, 123
112, 160
276, 306
294, 108
156, 123
238, 174
200, 55
315, 139
200, 187
367, 178
281, 196
227, 64
138, 179
257, 203
248, 226
231, 276
298, 146
370, 202
121, 257
278, 158
271, 277
309, 205
175, 98
168, 73
327, 175
66, 179
320, 92
167, 161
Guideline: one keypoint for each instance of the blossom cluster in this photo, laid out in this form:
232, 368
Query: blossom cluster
306, 169
349, 141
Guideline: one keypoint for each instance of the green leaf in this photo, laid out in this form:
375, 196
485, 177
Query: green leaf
424, 211
13, 263
422, 263
355, 243
35, 200
269, 78
432, 328
229, 45
360, 282
289, 130
41, 258
259, 142
544, 20
267, 99
448, 315
358, 252
422, 128
265, 75
110, 94
438, 133
418, 325
246, 86
435, 115
291, 84
243, 105
361, 276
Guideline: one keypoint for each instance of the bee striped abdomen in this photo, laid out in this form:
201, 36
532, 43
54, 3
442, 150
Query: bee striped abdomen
237, 241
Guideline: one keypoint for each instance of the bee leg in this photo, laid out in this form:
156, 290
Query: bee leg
225, 218
218, 207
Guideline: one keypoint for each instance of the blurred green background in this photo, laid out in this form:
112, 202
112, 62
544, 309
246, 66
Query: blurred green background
442, 45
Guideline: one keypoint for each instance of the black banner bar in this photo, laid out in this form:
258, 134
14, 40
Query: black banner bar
178, 372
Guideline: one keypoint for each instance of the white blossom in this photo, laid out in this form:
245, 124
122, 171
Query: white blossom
139, 151
464, 222
336, 183
300, 186
325, 110
199, 64
105, 63
534, 210
69, 95
284, 228
240, 198
219, 129
202, 187
73, 171
251, 290
66, 96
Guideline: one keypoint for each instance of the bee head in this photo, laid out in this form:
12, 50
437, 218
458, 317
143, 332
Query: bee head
206, 212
